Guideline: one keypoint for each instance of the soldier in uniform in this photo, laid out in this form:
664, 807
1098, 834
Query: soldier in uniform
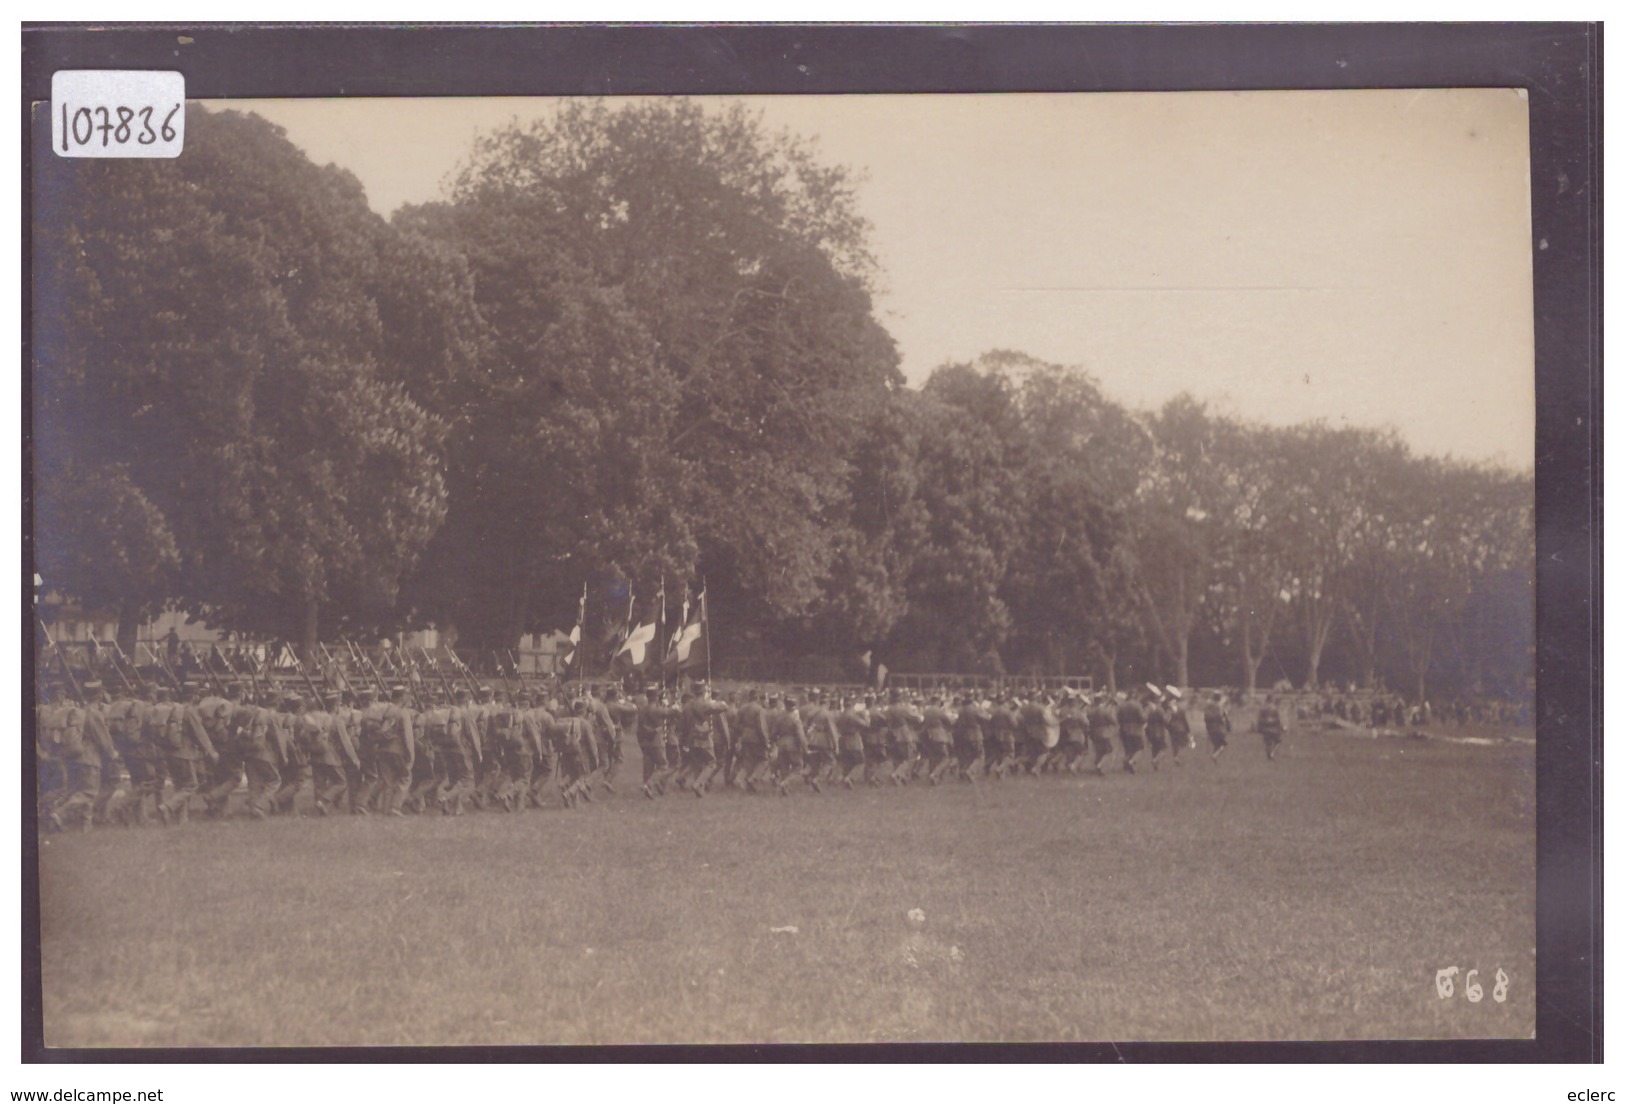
148, 750
190, 744
969, 740
790, 740
1179, 725
607, 734
50, 718
1270, 726
570, 735
1217, 719
875, 753
116, 714
397, 753
699, 719
331, 751
295, 765
1074, 746
505, 753
433, 728
823, 738
264, 751
366, 783
460, 755
901, 717
1156, 726
852, 723
536, 731
1101, 717
1002, 731
939, 741
652, 743
1130, 730
85, 746
753, 741
228, 768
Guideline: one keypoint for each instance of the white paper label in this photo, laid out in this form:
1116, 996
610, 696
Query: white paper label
117, 113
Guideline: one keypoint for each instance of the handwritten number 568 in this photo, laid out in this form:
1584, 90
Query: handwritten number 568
1444, 982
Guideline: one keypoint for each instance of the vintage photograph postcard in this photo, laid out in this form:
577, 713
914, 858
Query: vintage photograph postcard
710, 569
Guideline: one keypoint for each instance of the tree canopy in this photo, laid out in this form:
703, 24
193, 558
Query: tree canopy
637, 344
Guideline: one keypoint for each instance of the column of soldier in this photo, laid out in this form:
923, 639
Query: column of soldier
152, 755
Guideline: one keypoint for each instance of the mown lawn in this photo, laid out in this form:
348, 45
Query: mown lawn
1310, 898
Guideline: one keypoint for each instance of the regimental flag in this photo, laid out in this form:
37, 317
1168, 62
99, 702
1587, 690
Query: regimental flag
688, 648
572, 645
691, 648
634, 652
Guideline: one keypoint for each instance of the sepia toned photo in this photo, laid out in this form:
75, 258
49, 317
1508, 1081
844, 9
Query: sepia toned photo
950, 568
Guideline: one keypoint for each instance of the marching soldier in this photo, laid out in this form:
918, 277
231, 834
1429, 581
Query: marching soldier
1156, 725
331, 751
1179, 725
853, 725
295, 767
969, 741
1130, 730
606, 735
652, 743
1101, 717
148, 751
228, 768
937, 723
823, 737
190, 744
1270, 726
570, 735
435, 738
263, 754
1074, 745
461, 754
699, 719
790, 740
754, 740
901, 717
116, 714
1002, 731
397, 753
1217, 719
85, 746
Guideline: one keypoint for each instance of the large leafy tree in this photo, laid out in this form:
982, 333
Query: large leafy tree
681, 296
220, 350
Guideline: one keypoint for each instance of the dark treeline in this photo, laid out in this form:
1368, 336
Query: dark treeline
638, 343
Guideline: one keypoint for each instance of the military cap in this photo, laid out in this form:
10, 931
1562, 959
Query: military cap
485, 689
464, 692
366, 692
91, 684
330, 695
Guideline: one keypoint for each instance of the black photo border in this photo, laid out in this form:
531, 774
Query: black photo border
1558, 63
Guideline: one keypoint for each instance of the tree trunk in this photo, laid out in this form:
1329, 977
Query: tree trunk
1182, 663
129, 622
309, 619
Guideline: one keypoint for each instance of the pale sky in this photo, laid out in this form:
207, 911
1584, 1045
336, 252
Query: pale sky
1362, 257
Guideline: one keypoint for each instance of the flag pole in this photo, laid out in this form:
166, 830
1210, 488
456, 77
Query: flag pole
705, 620
581, 641
660, 625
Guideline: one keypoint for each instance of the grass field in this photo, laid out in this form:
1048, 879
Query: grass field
1309, 898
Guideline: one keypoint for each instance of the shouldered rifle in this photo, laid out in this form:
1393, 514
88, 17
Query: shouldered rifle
462, 668
67, 669
368, 666
208, 669
119, 668
164, 667
434, 664
310, 683
253, 679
